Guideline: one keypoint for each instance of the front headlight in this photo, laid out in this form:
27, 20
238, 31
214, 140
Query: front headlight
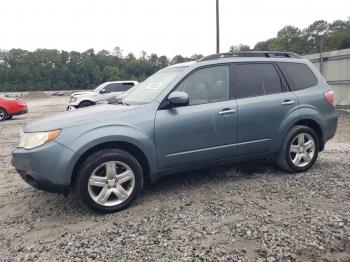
73, 99
31, 140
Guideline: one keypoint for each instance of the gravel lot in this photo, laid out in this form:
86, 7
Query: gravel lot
249, 212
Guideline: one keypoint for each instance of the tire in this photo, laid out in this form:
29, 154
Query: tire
85, 104
3, 114
299, 149
9, 117
103, 194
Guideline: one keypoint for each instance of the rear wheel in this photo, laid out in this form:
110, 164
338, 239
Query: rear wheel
9, 117
299, 149
3, 114
85, 104
109, 180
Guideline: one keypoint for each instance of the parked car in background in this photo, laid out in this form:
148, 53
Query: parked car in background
106, 92
10, 107
118, 99
223, 109
58, 93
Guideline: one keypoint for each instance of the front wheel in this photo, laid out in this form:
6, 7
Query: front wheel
299, 149
109, 180
3, 114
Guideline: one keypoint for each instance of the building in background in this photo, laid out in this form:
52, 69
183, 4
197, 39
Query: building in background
335, 67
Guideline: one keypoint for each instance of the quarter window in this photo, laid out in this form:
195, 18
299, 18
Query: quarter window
299, 74
207, 85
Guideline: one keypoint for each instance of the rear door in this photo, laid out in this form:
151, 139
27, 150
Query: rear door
264, 101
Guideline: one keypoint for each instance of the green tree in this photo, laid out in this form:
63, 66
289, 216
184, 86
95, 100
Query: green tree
314, 34
111, 73
240, 47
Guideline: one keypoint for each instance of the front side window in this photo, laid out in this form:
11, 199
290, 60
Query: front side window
100, 87
300, 74
207, 85
114, 87
257, 80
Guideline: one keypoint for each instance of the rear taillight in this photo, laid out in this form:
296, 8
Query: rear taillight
329, 95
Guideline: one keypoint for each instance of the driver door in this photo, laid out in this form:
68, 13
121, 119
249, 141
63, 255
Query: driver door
204, 130
109, 93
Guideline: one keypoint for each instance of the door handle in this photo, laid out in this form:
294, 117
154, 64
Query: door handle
287, 102
226, 111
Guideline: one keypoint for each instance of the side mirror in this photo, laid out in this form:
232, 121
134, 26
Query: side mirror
103, 91
178, 98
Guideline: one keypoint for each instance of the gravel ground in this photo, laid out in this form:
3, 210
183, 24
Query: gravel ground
249, 212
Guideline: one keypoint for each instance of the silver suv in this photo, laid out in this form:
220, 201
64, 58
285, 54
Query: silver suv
106, 92
223, 109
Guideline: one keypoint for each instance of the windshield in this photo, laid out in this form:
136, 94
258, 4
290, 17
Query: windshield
149, 89
101, 86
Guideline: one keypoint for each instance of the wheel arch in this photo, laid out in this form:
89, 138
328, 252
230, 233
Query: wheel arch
86, 100
314, 125
126, 146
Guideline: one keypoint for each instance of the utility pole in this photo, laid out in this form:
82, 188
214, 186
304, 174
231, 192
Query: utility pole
217, 28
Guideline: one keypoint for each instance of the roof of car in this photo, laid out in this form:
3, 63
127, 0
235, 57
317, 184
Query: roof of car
124, 81
185, 64
244, 56
267, 54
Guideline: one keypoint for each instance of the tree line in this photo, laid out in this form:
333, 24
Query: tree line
320, 36
51, 69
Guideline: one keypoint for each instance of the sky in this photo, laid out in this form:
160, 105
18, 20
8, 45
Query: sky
164, 27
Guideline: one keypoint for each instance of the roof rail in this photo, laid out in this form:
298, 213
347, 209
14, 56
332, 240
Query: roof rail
251, 54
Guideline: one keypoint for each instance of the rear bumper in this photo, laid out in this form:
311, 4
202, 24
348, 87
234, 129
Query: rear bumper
44, 167
331, 126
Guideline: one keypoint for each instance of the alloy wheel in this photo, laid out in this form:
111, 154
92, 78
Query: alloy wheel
302, 150
2, 114
111, 183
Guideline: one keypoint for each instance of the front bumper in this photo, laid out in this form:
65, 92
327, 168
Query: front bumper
24, 111
45, 167
71, 107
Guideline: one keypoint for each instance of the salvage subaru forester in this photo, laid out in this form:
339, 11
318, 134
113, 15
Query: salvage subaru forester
224, 108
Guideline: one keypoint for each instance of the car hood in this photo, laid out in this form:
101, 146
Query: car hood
84, 93
76, 117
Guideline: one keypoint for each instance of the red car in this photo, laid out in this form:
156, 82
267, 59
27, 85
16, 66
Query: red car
11, 107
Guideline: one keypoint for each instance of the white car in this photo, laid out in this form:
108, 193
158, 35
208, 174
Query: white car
106, 92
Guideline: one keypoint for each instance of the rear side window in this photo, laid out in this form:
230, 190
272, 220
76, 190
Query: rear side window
299, 74
126, 86
257, 80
